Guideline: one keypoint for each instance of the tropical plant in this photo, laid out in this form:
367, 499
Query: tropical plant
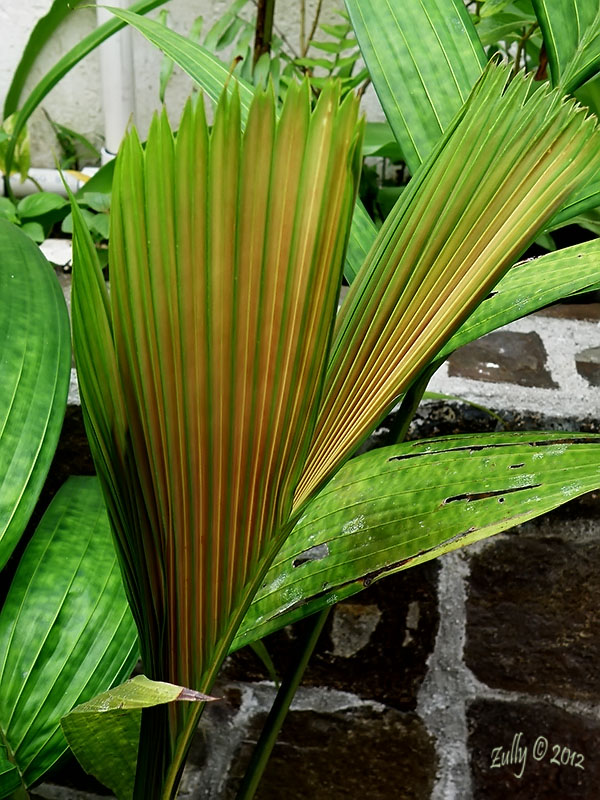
444, 246
220, 396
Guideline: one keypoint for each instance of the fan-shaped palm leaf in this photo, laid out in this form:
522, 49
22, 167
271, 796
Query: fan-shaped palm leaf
202, 374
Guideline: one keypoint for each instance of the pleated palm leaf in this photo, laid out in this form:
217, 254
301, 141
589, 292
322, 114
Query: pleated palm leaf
217, 393
201, 375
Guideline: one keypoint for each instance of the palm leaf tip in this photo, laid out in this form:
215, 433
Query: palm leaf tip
226, 252
506, 163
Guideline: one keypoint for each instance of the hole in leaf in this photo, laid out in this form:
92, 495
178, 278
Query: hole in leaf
315, 553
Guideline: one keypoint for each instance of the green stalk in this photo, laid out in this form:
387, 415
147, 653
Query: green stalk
165, 740
277, 715
410, 403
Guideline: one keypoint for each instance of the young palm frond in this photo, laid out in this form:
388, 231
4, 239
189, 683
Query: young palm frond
201, 375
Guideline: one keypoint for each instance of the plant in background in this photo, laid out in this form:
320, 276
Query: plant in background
44, 30
74, 146
259, 52
20, 144
37, 217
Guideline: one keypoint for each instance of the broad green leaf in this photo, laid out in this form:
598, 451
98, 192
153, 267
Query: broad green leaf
501, 170
571, 30
555, 276
100, 225
8, 210
34, 205
64, 65
395, 507
66, 632
34, 231
100, 183
44, 29
589, 95
10, 780
491, 7
35, 362
380, 141
98, 201
362, 236
580, 201
104, 732
424, 57
589, 221
67, 223
506, 26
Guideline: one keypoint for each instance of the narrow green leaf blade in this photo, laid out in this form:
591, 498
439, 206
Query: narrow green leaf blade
198, 62
66, 631
65, 64
104, 732
396, 507
35, 369
44, 29
424, 56
555, 276
571, 31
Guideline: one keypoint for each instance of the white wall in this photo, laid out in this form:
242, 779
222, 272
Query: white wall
77, 100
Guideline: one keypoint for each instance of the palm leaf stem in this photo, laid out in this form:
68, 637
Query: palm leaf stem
276, 717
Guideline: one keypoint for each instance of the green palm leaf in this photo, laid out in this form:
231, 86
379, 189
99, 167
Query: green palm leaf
423, 56
213, 76
218, 394
396, 507
201, 409
499, 173
571, 31
555, 276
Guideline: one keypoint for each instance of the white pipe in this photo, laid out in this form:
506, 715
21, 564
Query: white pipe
118, 94
48, 180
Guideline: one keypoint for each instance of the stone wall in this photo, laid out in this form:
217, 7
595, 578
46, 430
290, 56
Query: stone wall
473, 676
